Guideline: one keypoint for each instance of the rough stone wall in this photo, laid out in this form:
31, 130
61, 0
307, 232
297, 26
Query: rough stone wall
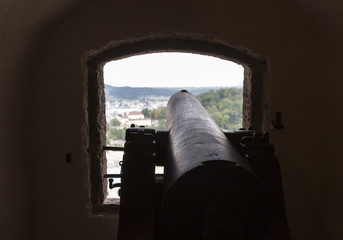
254, 110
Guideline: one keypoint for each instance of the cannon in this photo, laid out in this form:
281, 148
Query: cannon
215, 185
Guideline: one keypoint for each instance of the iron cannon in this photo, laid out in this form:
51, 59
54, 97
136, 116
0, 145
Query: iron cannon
215, 184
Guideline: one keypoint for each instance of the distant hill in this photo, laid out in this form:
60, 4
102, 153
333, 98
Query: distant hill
136, 93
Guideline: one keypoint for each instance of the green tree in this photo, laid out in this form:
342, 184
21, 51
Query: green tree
115, 122
159, 113
146, 112
156, 114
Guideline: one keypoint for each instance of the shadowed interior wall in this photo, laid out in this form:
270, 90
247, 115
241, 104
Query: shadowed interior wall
306, 83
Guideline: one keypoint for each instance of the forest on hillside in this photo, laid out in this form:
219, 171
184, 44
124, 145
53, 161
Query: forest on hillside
225, 107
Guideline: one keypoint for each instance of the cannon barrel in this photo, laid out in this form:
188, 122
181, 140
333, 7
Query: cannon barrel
210, 192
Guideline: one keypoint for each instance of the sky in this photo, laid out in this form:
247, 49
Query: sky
173, 69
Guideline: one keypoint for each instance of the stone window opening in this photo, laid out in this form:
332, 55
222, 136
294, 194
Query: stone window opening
254, 95
137, 90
